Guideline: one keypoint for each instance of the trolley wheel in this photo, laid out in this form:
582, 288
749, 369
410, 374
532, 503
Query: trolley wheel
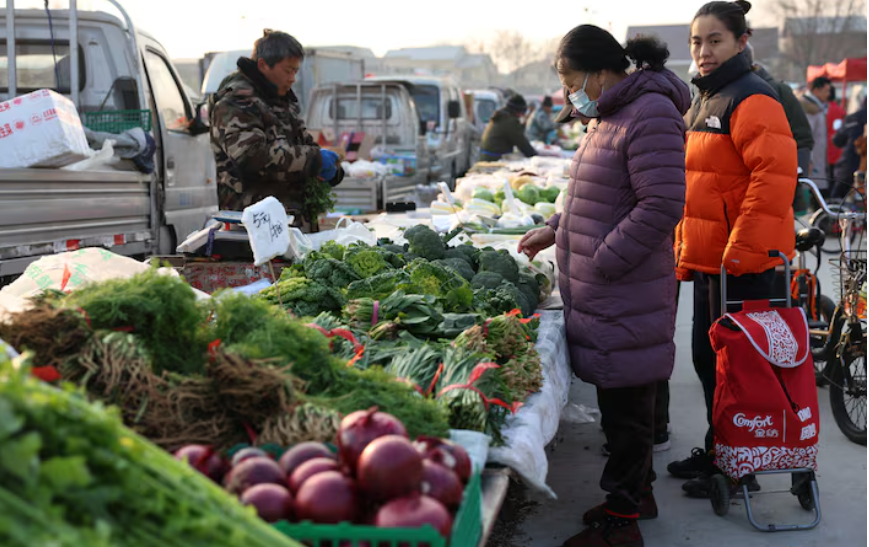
720, 494
805, 498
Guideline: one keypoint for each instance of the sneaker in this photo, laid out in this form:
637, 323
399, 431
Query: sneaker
698, 464
701, 488
662, 442
613, 532
647, 510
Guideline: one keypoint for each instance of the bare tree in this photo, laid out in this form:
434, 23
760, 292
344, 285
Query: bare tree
820, 31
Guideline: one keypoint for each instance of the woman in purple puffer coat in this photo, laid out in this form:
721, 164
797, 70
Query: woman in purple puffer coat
615, 255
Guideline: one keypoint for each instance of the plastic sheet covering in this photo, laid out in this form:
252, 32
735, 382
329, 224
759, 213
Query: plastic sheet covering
535, 425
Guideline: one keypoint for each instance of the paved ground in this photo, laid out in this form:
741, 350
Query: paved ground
575, 464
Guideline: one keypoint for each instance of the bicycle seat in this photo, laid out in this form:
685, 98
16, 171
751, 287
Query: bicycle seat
807, 238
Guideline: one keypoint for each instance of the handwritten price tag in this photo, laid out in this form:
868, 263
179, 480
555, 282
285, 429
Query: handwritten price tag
266, 223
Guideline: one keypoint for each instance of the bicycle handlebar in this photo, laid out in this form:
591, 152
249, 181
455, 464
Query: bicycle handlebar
823, 203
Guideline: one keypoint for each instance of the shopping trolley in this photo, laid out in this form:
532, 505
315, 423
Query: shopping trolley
765, 412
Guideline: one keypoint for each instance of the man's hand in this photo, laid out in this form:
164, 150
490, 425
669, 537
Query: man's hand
536, 240
329, 164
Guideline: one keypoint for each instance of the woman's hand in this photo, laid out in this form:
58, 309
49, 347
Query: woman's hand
536, 240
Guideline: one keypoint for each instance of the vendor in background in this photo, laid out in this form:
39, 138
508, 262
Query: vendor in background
615, 256
540, 125
835, 119
505, 131
815, 104
260, 142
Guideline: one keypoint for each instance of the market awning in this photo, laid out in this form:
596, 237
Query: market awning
849, 70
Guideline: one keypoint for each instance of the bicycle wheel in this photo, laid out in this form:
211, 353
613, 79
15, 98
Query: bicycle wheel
848, 394
830, 226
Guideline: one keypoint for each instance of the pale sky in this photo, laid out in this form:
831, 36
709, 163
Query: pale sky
189, 28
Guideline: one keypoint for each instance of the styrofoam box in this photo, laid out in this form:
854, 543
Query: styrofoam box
41, 129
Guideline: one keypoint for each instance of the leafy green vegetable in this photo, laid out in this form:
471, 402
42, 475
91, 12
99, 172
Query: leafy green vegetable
379, 286
335, 250
487, 280
529, 194
459, 265
367, 262
160, 310
446, 285
319, 198
304, 297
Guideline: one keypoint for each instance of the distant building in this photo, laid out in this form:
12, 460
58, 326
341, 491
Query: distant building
469, 70
818, 40
537, 78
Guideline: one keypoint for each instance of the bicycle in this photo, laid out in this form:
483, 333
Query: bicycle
843, 350
826, 218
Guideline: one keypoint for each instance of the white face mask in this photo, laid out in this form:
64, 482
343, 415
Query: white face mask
583, 104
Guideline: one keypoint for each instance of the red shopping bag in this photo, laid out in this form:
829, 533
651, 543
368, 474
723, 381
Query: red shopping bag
765, 413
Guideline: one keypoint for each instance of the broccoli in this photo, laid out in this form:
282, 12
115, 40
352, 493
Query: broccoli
425, 242
335, 250
459, 265
332, 273
453, 253
447, 285
500, 262
471, 252
530, 288
396, 249
452, 234
366, 262
379, 286
486, 280
504, 298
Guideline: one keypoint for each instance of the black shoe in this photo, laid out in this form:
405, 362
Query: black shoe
700, 488
698, 464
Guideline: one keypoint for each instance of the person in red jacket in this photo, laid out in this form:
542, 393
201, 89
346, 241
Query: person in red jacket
740, 176
835, 118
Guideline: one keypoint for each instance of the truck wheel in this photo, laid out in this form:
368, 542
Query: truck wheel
454, 176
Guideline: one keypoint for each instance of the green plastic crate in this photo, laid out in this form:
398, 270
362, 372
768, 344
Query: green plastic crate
117, 121
467, 528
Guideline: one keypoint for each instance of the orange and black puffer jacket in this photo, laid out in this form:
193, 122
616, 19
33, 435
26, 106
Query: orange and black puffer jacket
740, 174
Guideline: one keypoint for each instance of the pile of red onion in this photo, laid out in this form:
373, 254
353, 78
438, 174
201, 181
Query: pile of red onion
379, 477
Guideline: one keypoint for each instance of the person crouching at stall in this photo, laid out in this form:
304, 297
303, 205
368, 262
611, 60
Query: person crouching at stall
615, 257
259, 139
506, 131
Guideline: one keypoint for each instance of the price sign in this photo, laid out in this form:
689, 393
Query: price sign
266, 224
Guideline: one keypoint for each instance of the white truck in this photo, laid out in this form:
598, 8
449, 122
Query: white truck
118, 68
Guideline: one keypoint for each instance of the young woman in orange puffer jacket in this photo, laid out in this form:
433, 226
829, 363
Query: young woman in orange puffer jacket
741, 172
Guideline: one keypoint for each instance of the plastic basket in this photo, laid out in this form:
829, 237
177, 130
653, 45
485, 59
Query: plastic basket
467, 528
117, 121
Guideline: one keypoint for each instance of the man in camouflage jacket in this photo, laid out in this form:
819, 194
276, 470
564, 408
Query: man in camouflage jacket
260, 142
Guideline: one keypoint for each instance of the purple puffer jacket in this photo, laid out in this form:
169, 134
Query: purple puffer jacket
614, 239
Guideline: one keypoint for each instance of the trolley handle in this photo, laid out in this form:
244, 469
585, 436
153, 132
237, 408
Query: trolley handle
787, 300
823, 203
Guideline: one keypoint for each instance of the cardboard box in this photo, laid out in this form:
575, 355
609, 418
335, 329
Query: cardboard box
41, 129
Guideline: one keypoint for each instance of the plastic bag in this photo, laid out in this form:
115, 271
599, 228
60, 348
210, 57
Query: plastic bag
346, 232
578, 414
102, 159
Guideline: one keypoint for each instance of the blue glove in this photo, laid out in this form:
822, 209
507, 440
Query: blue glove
329, 164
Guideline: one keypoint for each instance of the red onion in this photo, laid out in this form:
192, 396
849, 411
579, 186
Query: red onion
327, 498
273, 502
446, 453
440, 483
414, 512
389, 467
204, 459
360, 428
252, 472
308, 470
302, 452
248, 453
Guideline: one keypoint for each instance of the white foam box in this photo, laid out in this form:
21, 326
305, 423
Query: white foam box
41, 129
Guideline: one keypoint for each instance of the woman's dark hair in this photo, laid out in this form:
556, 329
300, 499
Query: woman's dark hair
732, 14
588, 48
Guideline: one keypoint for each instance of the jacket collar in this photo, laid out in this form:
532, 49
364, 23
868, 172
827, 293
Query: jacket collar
732, 69
269, 90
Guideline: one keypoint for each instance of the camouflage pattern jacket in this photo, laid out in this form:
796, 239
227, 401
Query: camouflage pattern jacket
260, 142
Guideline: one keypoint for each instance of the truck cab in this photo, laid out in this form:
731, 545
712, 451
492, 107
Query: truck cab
449, 129
116, 69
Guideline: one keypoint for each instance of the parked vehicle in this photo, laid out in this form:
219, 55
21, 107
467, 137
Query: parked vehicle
387, 112
449, 129
117, 68
319, 68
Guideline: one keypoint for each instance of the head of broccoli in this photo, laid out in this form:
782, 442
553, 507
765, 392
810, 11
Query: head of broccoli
487, 280
500, 262
450, 288
459, 265
425, 242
